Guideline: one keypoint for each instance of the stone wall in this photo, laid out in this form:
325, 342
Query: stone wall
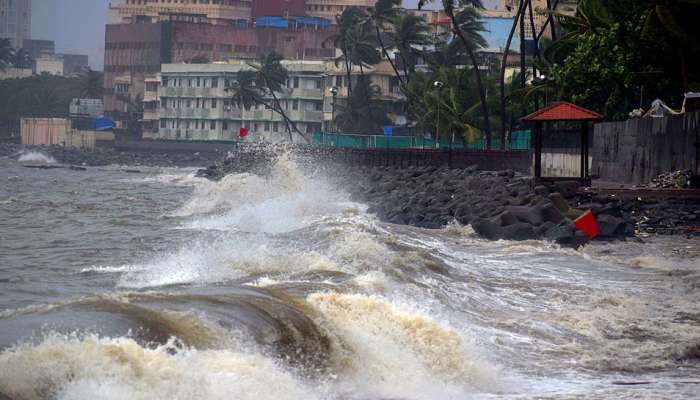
637, 150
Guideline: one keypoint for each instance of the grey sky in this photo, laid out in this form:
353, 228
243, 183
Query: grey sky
77, 26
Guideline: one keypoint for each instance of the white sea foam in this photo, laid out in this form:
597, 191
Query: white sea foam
36, 157
284, 201
70, 368
383, 351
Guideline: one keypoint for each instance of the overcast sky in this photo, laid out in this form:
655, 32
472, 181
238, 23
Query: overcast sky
78, 26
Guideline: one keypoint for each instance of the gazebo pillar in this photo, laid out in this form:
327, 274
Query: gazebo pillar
584, 149
538, 149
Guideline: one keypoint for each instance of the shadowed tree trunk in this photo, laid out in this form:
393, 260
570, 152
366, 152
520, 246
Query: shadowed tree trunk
477, 75
504, 115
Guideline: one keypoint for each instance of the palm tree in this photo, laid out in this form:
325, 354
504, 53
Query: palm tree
22, 59
362, 46
382, 16
363, 112
91, 84
504, 64
470, 21
265, 80
346, 22
132, 114
272, 75
7, 53
409, 31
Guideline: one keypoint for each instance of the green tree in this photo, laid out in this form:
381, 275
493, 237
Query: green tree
22, 59
260, 86
409, 32
362, 46
382, 15
131, 115
467, 27
346, 23
7, 54
91, 84
363, 112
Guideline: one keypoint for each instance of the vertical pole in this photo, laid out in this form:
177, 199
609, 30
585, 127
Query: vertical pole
584, 149
538, 149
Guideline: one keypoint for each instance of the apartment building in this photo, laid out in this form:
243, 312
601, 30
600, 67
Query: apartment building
217, 12
194, 103
328, 9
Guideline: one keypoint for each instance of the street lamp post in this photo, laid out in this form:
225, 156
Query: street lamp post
438, 85
334, 92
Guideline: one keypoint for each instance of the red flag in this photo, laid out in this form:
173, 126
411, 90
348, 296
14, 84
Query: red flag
588, 224
243, 132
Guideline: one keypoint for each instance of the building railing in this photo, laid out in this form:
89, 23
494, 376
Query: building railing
519, 140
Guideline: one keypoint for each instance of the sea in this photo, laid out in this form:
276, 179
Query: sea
161, 285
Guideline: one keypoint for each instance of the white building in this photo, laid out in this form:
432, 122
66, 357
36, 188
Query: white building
193, 103
49, 64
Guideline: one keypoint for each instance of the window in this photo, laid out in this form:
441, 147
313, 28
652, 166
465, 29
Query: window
189, 103
296, 82
267, 127
165, 81
295, 104
212, 125
213, 103
164, 103
199, 82
276, 127
224, 125
339, 81
162, 123
215, 82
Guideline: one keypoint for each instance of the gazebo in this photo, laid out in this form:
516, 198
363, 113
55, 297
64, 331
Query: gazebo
561, 112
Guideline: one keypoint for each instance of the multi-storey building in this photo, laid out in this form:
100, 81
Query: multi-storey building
216, 12
328, 9
15, 21
194, 103
133, 51
37, 48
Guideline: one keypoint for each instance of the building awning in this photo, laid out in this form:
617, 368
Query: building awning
563, 111
104, 124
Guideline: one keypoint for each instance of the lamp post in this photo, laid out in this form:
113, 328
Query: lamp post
438, 85
334, 93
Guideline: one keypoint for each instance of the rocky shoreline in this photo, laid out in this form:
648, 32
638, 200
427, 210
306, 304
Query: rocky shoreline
497, 204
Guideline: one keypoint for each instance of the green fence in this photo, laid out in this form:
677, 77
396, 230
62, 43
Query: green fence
520, 140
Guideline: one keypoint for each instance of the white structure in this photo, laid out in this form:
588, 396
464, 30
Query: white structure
195, 105
15, 20
49, 64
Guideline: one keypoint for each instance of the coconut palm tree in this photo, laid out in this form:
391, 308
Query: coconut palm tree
409, 32
346, 22
363, 112
382, 16
22, 59
258, 85
91, 84
7, 53
362, 46
469, 20
272, 75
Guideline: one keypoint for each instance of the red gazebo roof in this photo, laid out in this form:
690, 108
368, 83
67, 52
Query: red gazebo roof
563, 111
